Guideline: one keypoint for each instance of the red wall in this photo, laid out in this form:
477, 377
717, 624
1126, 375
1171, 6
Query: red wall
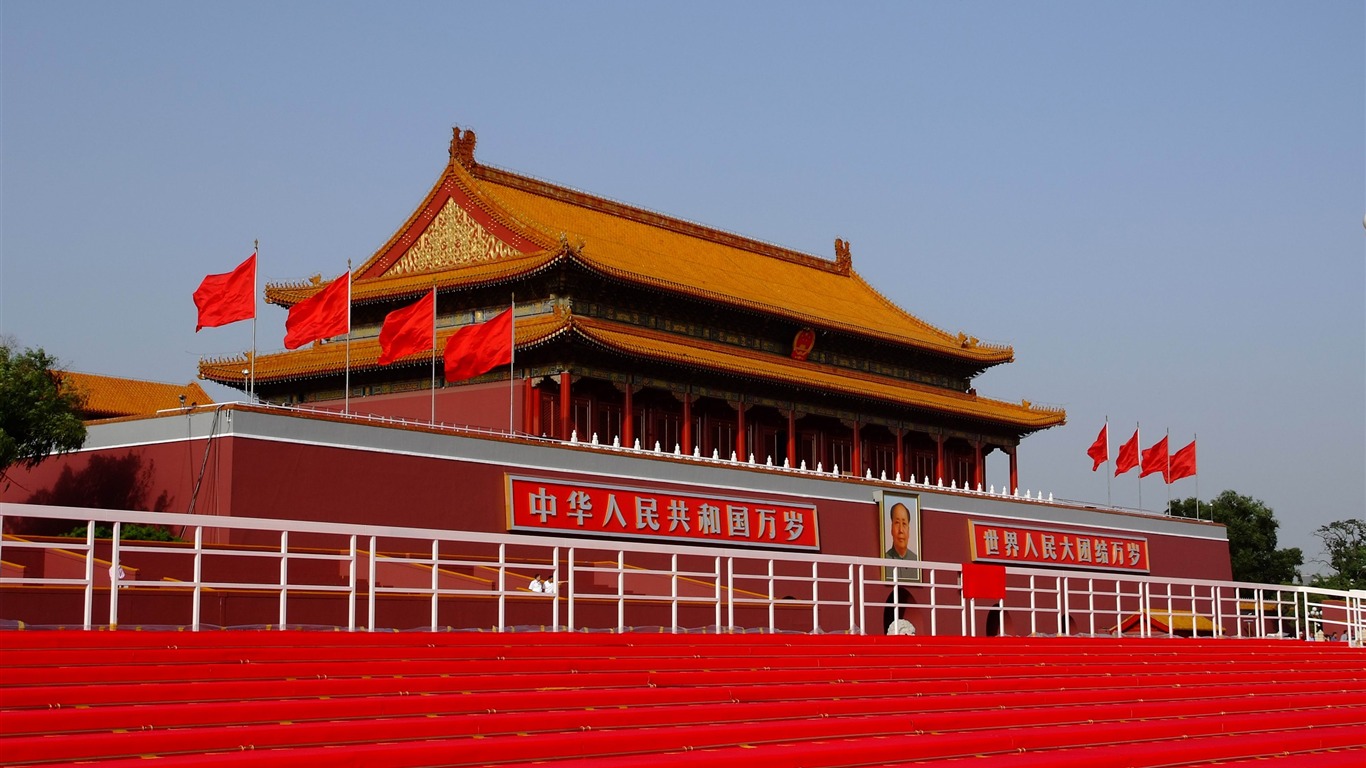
262, 478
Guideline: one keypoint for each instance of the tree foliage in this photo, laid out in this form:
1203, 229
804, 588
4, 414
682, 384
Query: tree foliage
1251, 527
39, 416
1345, 543
127, 532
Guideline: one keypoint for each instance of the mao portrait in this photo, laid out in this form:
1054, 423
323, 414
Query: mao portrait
901, 534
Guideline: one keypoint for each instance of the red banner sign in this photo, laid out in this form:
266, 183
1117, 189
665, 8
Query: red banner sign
1014, 544
586, 509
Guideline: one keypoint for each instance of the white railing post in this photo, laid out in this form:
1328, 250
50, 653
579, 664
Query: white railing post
89, 574
1064, 623
730, 594
673, 593
197, 609
815, 598
372, 609
853, 619
934, 600
1091, 605
436, 579
716, 592
1033, 606
1259, 612
113, 575
621, 590
284, 578
771, 599
502, 587
862, 598
555, 592
569, 622
352, 593
1217, 605
964, 612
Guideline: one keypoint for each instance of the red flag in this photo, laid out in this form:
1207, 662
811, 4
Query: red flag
408, 330
1100, 449
1128, 456
325, 313
228, 297
1183, 463
476, 348
1155, 460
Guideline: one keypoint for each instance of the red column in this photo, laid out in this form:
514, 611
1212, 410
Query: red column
939, 458
1014, 468
628, 419
900, 452
857, 461
792, 437
978, 465
687, 423
740, 430
565, 406
527, 394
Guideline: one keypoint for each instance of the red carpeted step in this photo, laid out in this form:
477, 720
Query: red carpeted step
322, 685
1318, 747
861, 716
1117, 744
71, 720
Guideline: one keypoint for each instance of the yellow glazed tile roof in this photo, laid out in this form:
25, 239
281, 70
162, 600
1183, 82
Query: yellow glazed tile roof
657, 345
111, 396
642, 247
633, 245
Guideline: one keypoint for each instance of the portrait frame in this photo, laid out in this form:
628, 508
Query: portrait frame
886, 505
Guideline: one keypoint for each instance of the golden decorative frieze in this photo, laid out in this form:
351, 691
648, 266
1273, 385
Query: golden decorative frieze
453, 238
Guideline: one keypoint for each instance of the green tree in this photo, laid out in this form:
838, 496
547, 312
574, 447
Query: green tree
1251, 529
38, 414
1345, 543
129, 532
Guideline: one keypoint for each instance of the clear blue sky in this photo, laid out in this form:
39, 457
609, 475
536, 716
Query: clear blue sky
1159, 205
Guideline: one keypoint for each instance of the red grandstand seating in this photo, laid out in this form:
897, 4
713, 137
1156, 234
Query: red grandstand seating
291, 698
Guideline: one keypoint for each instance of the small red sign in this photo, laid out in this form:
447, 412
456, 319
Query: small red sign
1014, 544
587, 509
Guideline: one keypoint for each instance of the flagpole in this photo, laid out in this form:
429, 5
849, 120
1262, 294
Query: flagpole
1168, 474
346, 395
433, 354
1195, 439
1139, 446
512, 363
1109, 502
255, 270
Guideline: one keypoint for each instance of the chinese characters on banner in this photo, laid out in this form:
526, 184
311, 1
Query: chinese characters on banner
586, 509
997, 543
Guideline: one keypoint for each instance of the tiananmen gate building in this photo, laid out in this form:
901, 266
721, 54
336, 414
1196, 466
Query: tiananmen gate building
669, 383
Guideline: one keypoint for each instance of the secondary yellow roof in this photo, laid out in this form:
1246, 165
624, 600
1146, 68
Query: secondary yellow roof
108, 397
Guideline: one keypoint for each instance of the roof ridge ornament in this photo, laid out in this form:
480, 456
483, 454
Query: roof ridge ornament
462, 146
844, 260
571, 249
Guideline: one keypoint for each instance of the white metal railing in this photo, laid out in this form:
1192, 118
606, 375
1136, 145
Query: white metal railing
286, 573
